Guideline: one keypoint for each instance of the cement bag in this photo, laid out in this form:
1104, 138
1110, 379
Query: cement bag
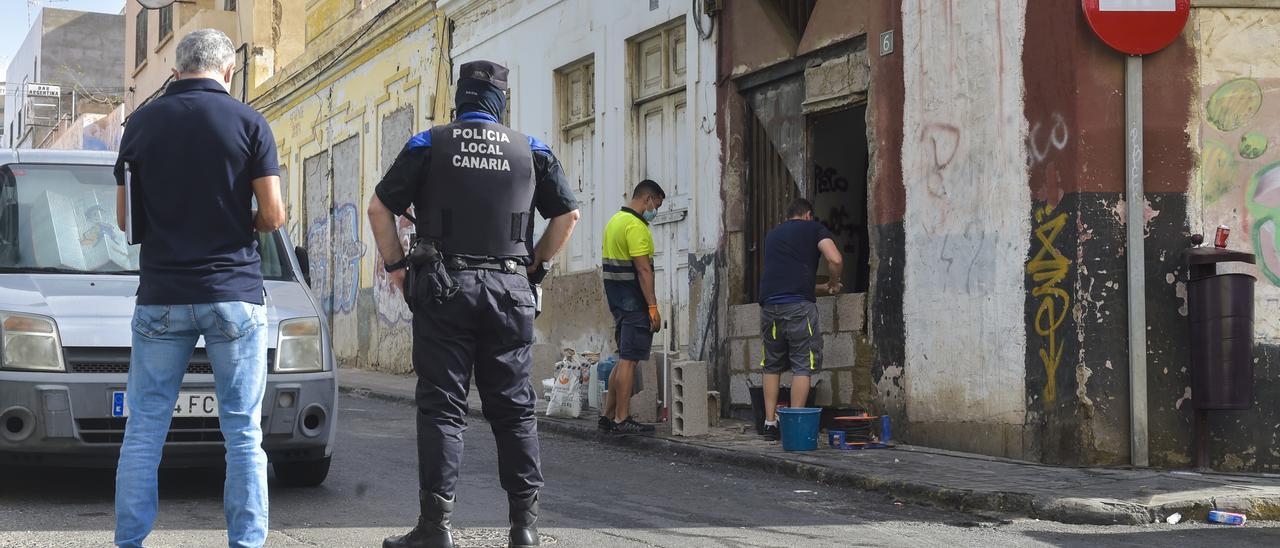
568, 396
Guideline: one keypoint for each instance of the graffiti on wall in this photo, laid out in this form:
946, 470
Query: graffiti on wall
392, 308
966, 228
1048, 268
828, 179
1042, 142
335, 278
318, 245
348, 249
1238, 167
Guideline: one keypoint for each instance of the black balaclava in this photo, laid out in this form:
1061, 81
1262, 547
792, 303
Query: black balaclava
482, 87
479, 96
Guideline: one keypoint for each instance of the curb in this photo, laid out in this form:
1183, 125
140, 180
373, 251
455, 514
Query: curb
1080, 511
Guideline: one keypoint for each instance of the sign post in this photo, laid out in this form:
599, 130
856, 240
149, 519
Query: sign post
1136, 28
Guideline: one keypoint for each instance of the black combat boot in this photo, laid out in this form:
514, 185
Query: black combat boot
433, 525
524, 514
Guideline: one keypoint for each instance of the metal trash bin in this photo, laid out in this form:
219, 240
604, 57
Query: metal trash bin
1220, 307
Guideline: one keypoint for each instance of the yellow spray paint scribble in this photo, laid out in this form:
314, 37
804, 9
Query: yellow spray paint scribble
1048, 269
1218, 170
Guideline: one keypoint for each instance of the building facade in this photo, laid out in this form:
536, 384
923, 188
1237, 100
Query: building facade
267, 35
793, 110
985, 206
968, 157
368, 79
67, 69
622, 92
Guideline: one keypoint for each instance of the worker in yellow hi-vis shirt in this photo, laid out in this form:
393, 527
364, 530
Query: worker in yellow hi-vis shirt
628, 284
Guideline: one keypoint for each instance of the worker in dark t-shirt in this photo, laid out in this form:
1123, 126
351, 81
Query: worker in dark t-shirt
788, 305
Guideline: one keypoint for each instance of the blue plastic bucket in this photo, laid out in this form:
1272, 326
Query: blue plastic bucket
799, 427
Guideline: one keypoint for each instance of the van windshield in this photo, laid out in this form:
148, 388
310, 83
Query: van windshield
62, 218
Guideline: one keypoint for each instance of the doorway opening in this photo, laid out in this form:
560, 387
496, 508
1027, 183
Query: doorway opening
838, 160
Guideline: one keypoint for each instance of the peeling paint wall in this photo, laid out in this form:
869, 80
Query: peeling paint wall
338, 128
1236, 132
806, 87
1238, 136
965, 223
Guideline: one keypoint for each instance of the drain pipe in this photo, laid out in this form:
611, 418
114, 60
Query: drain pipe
1135, 207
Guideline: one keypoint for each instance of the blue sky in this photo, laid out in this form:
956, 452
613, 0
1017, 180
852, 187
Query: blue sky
14, 22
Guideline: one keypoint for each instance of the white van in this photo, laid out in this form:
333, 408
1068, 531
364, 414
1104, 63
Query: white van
68, 273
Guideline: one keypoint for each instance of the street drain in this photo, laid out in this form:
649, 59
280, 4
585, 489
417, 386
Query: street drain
488, 538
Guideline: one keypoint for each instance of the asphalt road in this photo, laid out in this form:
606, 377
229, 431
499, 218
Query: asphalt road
597, 496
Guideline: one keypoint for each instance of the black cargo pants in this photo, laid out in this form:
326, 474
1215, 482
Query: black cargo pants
487, 328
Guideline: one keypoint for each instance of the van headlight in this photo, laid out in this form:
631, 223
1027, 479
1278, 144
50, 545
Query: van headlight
298, 349
30, 342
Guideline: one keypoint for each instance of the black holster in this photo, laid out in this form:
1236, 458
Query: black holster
535, 283
428, 281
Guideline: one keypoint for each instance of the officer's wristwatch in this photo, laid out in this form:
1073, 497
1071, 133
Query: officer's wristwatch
398, 265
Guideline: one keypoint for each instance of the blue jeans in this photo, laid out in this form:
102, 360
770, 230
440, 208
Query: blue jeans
164, 336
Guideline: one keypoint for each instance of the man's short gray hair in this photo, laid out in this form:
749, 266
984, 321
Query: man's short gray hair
204, 50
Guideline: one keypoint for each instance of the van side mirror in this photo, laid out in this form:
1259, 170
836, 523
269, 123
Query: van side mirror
304, 262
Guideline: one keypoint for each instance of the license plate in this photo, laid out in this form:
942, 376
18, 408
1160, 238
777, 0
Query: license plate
189, 404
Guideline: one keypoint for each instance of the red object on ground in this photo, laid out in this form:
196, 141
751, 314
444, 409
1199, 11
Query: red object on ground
1137, 27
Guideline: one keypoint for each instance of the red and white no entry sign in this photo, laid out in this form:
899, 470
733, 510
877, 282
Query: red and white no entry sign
1137, 27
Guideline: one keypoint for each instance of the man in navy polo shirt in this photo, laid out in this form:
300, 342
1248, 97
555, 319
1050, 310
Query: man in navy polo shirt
198, 158
788, 305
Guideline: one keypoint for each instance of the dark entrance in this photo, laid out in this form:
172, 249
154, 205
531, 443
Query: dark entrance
838, 187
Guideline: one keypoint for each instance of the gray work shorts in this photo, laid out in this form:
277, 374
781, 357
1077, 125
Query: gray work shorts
792, 339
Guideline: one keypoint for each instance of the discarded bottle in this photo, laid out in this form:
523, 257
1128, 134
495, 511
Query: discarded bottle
1226, 518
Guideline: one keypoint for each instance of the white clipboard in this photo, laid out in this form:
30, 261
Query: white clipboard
128, 205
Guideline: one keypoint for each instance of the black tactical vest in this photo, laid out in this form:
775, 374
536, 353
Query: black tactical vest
478, 197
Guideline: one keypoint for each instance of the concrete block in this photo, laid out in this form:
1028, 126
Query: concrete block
744, 321
838, 351
851, 312
739, 393
713, 408
823, 395
827, 314
842, 388
644, 405
755, 353
738, 360
689, 398
834, 83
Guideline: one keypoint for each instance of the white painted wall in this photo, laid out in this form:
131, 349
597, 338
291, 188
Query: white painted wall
967, 207
533, 38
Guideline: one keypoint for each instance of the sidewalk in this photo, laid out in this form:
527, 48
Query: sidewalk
967, 482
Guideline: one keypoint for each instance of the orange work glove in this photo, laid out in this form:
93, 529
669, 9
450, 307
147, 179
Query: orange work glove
655, 319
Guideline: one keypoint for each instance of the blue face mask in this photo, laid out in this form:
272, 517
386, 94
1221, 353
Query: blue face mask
649, 215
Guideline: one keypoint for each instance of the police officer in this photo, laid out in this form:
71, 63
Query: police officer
473, 185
